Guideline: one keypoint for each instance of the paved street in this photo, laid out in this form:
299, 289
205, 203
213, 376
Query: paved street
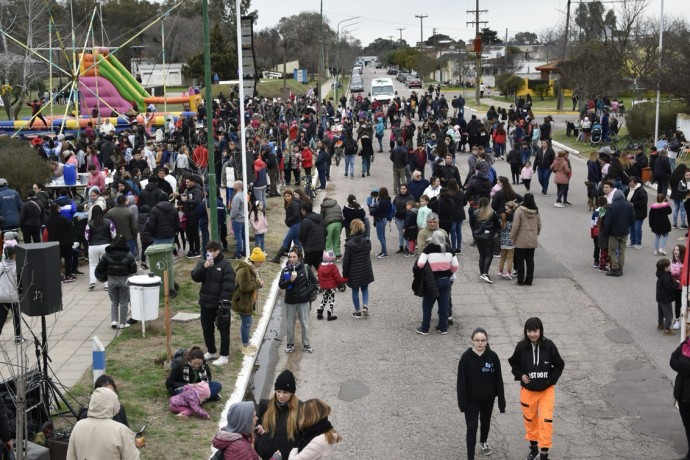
393, 391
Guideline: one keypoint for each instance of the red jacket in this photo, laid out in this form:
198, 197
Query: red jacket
329, 276
236, 446
307, 158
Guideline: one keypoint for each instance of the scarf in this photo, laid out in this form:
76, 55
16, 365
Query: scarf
320, 427
202, 372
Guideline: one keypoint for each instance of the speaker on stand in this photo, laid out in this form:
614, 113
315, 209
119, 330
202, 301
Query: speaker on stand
40, 294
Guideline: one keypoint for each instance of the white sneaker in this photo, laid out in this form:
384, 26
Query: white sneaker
209, 356
486, 279
222, 361
676, 325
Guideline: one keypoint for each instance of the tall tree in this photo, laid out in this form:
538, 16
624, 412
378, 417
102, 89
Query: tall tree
489, 37
526, 38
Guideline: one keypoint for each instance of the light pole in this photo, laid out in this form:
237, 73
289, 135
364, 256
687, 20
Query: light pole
337, 54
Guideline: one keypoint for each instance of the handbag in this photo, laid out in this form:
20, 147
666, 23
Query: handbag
484, 231
312, 288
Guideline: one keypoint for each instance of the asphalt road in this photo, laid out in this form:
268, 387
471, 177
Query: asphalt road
393, 391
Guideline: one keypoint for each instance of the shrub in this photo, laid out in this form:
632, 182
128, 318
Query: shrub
640, 119
22, 166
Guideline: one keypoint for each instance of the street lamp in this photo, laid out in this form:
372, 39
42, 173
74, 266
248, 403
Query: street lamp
337, 53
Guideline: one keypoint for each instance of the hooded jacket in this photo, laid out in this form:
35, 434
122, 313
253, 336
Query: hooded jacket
331, 211
480, 379
194, 198
217, 281
164, 221
658, 218
357, 261
665, 287
312, 233
151, 195
8, 281
117, 261
67, 206
542, 363
10, 206
561, 171
619, 216
99, 436
246, 289
526, 228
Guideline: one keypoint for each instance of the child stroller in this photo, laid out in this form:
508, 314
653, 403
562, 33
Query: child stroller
595, 136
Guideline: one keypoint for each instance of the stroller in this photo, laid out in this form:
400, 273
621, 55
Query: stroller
596, 135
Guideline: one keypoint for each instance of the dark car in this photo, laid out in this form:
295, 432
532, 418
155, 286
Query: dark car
392, 72
379, 65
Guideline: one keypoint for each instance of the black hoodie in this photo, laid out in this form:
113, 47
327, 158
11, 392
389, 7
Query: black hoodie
542, 363
117, 261
480, 379
164, 221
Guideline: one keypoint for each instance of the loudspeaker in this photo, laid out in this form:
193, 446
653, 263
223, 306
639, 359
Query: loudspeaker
40, 286
35, 415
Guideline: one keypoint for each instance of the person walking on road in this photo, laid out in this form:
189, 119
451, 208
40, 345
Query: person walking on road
295, 279
619, 217
115, 267
680, 362
537, 364
357, 267
480, 382
561, 170
380, 216
637, 197
485, 225
525, 233
545, 156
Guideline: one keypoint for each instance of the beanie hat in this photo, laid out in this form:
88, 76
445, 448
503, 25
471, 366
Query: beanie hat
328, 256
257, 255
286, 382
204, 391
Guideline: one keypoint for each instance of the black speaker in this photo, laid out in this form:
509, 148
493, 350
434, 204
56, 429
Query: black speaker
40, 286
35, 413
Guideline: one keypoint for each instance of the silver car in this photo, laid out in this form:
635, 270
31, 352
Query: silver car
356, 86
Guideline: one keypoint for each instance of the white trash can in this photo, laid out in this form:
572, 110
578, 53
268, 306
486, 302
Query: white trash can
143, 295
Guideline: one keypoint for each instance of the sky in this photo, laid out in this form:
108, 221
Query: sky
382, 18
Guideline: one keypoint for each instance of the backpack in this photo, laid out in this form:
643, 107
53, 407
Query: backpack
492, 175
391, 212
178, 354
350, 146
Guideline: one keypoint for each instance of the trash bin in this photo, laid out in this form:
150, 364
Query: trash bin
160, 259
144, 296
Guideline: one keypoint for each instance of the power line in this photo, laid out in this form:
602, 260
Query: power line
477, 48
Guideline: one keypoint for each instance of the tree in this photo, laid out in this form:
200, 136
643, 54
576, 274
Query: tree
526, 38
583, 70
509, 83
541, 91
489, 37
223, 57
380, 45
434, 40
594, 21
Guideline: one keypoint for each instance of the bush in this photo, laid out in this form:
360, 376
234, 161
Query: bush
641, 118
22, 166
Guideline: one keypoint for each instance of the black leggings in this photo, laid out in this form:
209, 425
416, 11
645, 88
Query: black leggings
486, 255
524, 261
685, 417
66, 253
5, 308
476, 412
192, 232
515, 172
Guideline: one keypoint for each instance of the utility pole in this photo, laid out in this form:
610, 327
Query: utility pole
400, 29
505, 57
318, 99
421, 27
559, 99
477, 49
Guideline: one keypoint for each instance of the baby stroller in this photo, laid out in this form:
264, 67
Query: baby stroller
595, 136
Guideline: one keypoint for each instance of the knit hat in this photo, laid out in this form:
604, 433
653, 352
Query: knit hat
286, 382
328, 256
203, 390
257, 255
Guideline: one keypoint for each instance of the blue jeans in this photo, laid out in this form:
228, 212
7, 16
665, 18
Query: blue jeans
133, 247
678, 208
660, 241
636, 232
322, 179
366, 164
543, 175
259, 241
428, 301
238, 232
215, 388
456, 234
365, 296
399, 223
349, 165
245, 328
260, 194
164, 240
292, 237
381, 234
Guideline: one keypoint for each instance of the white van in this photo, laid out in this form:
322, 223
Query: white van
357, 70
382, 90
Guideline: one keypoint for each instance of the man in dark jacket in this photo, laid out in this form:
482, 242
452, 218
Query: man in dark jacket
641, 162
312, 236
125, 224
10, 206
192, 198
151, 195
31, 218
619, 217
115, 267
637, 196
217, 278
164, 222
542, 165
447, 171
399, 157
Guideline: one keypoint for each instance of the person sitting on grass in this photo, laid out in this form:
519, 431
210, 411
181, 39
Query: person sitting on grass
188, 401
106, 381
190, 369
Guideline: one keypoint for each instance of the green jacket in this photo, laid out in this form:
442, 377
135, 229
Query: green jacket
246, 289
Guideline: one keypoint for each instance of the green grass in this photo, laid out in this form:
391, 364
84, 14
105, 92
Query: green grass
266, 88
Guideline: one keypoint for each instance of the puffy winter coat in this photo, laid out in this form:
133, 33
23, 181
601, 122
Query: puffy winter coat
235, 446
357, 261
312, 233
151, 195
10, 205
292, 213
296, 291
117, 261
246, 289
329, 276
561, 171
331, 211
217, 282
164, 221
681, 364
658, 218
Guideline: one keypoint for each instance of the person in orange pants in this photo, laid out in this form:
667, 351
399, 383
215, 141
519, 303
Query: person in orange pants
537, 364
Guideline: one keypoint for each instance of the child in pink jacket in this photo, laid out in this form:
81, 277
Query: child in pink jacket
188, 402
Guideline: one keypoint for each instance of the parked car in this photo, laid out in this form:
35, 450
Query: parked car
414, 82
379, 65
401, 76
392, 71
356, 87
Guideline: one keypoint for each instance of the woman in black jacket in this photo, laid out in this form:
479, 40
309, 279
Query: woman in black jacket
277, 419
189, 369
400, 202
99, 233
485, 225
537, 364
353, 211
60, 229
115, 267
680, 362
357, 266
459, 202
380, 216
297, 280
444, 206
479, 383
293, 220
